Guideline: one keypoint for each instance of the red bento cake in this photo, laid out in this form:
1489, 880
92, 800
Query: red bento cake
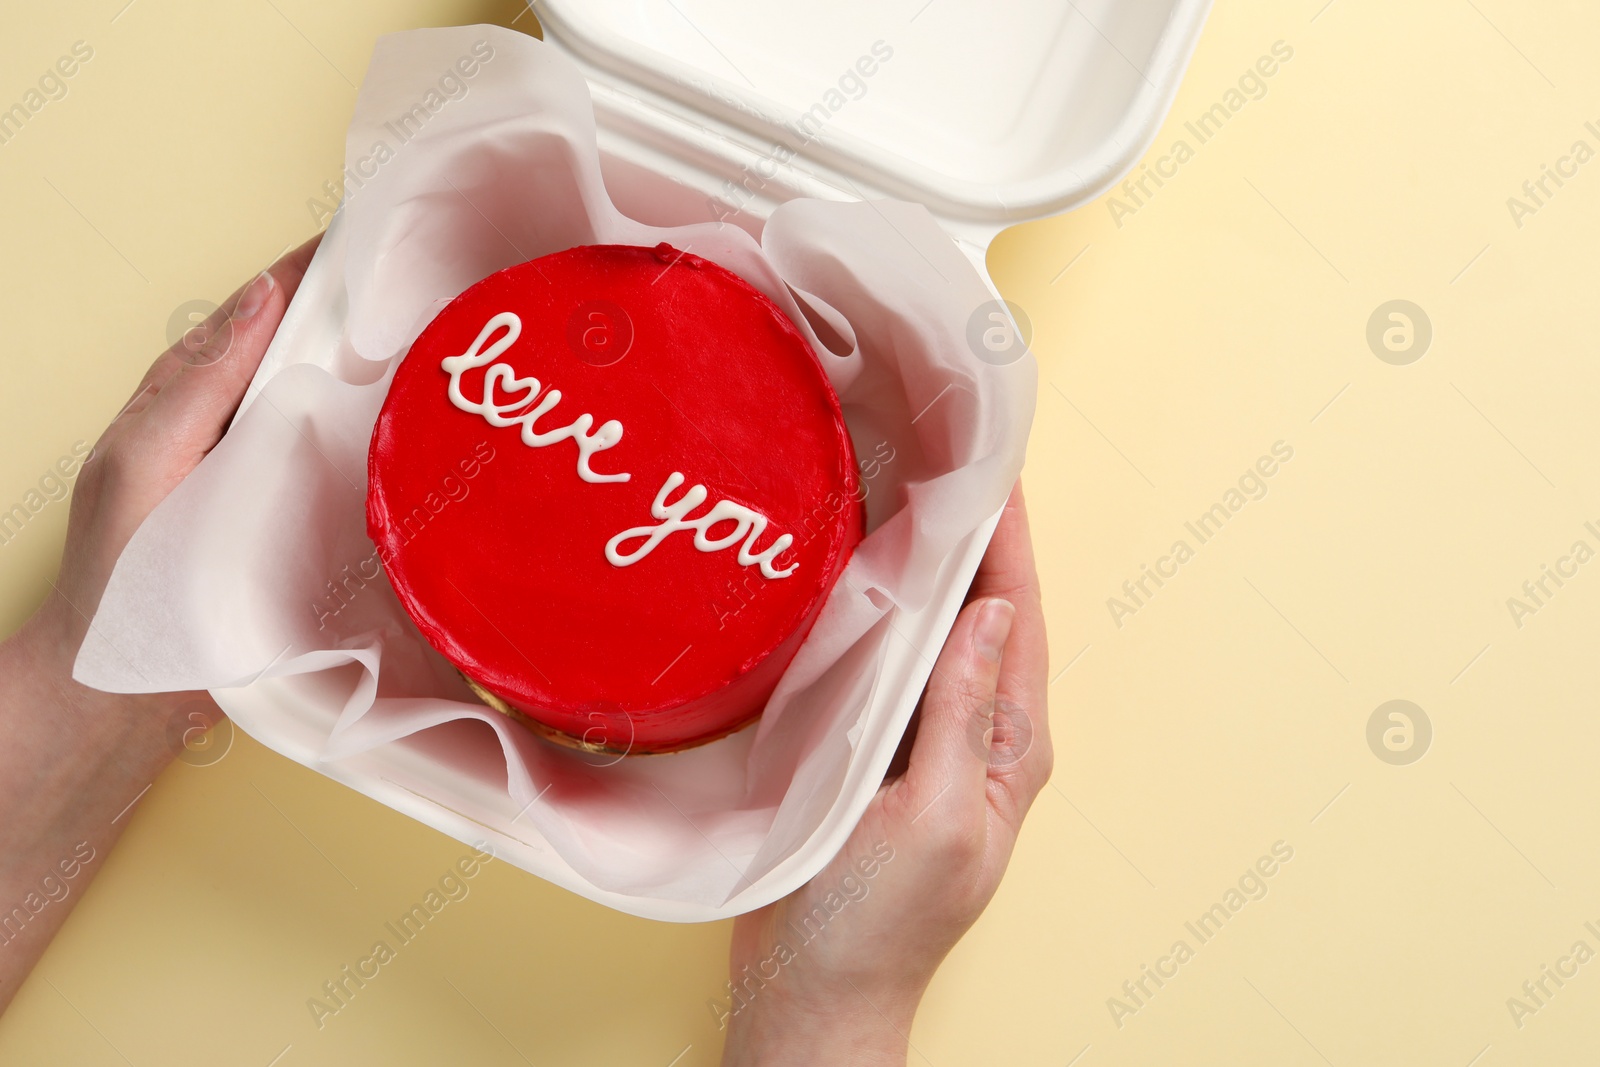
613, 487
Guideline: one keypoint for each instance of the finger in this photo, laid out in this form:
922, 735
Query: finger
1021, 756
1008, 569
165, 366
948, 762
208, 341
196, 390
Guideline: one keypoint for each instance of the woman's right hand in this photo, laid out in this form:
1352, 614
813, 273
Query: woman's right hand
832, 973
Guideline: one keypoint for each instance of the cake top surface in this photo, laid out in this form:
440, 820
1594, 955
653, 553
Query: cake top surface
613, 479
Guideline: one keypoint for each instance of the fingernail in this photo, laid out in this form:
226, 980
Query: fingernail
254, 296
994, 626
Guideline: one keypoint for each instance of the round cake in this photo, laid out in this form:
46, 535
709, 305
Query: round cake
613, 487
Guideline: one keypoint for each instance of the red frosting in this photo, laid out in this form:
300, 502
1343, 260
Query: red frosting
498, 548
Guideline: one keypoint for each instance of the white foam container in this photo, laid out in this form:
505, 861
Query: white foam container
988, 115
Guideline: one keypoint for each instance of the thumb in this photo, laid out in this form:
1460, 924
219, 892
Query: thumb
177, 415
205, 382
949, 761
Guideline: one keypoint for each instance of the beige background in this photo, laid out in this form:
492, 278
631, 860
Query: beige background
1227, 714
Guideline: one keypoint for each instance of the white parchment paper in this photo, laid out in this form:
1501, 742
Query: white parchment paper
235, 578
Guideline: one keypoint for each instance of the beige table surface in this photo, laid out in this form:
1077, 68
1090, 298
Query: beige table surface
1178, 343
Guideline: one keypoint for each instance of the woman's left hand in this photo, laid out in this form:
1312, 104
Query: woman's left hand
73, 758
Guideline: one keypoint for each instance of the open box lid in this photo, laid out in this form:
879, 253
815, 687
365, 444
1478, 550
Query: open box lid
988, 114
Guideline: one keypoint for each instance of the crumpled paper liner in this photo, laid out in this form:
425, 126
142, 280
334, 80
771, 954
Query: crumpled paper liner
234, 577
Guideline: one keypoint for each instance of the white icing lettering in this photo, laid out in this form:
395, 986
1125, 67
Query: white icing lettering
520, 392
748, 527
498, 335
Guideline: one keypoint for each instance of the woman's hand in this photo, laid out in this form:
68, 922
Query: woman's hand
173, 419
833, 972
71, 758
